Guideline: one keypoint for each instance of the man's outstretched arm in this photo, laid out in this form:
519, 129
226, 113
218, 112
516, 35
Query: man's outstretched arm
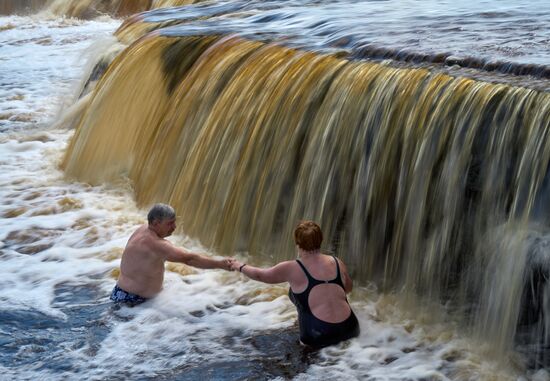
175, 254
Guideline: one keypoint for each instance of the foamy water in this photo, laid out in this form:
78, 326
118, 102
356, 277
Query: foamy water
60, 244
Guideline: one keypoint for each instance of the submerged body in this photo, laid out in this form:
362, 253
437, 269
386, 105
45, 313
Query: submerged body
318, 287
142, 264
144, 250
318, 332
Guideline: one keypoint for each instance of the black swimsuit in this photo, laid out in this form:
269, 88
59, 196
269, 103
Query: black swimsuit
316, 332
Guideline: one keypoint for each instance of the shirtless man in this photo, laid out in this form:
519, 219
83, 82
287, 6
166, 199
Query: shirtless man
142, 264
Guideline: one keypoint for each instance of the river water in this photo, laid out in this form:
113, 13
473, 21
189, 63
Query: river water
61, 239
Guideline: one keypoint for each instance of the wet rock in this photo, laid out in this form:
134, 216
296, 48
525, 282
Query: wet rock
389, 360
453, 60
532, 336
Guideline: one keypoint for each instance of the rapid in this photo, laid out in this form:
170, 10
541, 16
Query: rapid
415, 133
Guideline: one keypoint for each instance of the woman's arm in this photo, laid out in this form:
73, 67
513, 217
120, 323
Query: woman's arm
277, 274
346, 279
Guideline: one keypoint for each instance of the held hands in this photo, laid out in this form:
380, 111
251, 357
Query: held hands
227, 264
231, 264
236, 265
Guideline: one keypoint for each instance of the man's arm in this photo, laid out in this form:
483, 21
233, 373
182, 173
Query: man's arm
276, 274
175, 254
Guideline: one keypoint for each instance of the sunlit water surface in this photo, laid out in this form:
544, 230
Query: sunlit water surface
498, 30
499, 36
60, 244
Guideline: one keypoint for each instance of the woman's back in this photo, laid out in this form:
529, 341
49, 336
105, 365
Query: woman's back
321, 276
319, 294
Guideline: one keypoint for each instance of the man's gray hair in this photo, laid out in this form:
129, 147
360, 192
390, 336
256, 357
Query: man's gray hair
161, 212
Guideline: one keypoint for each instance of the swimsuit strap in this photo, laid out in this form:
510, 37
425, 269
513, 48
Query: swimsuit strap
301, 300
308, 275
312, 282
338, 278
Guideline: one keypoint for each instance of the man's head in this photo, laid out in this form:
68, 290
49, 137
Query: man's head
308, 236
162, 219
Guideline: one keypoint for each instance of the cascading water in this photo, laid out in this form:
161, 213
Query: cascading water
430, 181
409, 173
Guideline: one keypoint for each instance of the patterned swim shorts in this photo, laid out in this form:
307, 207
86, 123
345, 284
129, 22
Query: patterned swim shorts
120, 296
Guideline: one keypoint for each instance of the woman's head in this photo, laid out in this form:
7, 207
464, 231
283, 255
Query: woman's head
308, 236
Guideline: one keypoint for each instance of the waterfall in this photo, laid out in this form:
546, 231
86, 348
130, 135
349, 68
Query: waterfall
421, 181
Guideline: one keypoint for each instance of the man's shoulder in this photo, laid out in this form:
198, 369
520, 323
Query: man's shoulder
143, 236
140, 231
143, 243
156, 243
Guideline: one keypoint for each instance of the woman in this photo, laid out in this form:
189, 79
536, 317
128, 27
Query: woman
318, 287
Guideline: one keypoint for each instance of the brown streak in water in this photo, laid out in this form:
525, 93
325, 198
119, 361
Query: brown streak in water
6, 115
115, 273
27, 241
39, 137
261, 295
34, 249
179, 268
111, 255
16, 212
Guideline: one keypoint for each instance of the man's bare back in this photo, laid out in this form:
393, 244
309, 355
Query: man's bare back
142, 263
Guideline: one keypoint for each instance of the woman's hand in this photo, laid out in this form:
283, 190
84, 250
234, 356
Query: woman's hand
236, 265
